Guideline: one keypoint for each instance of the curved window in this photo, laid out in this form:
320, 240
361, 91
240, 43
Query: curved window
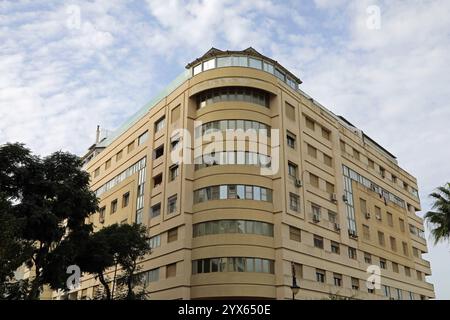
232, 157
223, 125
233, 226
215, 95
232, 191
233, 264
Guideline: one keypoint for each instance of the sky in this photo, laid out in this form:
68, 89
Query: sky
66, 67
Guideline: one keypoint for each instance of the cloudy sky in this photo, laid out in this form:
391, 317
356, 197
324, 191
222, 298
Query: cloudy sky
64, 68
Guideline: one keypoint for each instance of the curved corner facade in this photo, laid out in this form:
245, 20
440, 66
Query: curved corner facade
334, 204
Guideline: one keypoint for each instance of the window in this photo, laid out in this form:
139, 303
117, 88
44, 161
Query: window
415, 252
310, 123
155, 210
390, 219
290, 140
107, 164
408, 271
101, 215
171, 270
314, 180
327, 160
394, 178
172, 235
298, 269
292, 170
312, 151
125, 199
335, 248
401, 223
337, 279
419, 275
255, 63
318, 241
159, 125
405, 248
197, 69
332, 216
326, 133
329, 187
315, 212
142, 138
232, 192
173, 172
363, 206
158, 152
378, 213
174, 143
381, 238
355, 283
294, 202
154, 242
119, 155
130, 147
342, 145
225, 94
175, 114
172, 204
399, 294
367, 258
371, 164
366, 232
386, 291
320, 275
352, 253
356, 154
411, 295
393, 243
233, 264
395, 267
113, 206
405, 186
382, 172
290, 111
294, 234
157, 180
232, 226
97, 172
382, 263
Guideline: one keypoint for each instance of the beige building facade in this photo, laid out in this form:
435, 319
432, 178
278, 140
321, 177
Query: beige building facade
334, 204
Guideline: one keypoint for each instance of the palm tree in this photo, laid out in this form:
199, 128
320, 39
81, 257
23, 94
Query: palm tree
439, 218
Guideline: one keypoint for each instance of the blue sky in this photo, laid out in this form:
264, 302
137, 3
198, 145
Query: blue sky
61, 76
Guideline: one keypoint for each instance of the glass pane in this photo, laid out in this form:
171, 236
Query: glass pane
240, 226
249, 227
268, 67
254, 63
239, 264
248, 192
223, 62
258, 228
210, 64
240, 192
256, 193
223, 192
258, 266
265, 266
215, 265
197, 69
250, 265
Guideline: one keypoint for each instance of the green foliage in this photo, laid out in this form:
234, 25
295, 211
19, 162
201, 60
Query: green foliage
439, 217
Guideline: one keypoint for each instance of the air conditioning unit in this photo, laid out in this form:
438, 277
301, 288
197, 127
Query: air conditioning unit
316, 218
378, 217
337, 227
344, 198
333, 197
298, 183
367, 215
352, 234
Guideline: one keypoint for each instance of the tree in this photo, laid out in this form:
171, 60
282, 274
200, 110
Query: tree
116, 246
47, 200
439, 218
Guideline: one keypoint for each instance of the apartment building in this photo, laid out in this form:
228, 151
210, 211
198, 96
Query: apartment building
334, 204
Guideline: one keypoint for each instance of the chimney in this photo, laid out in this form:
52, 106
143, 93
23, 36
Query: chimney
97, 135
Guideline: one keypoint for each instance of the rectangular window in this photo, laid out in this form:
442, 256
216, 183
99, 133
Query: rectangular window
290, 140
294, 202
130, 147
312, 151
342, 146
320, 275
159, 125
315, 209
408, 271
393, 243
401, 222
355, 283
337, 279
381, 238
390, 219
378, 213
292, 170
329, 187
326, 133
175, 114
405, 248
142, 138
386, 291
366, 232
419, 275
171, 270
310, 123
125, 200
255, 63
101, 216
172, 204
119, 155
97, 172
173, 172
382, 263
172, 235
335, 248
367, 258
158, 152
314, 180
363, 206
113, 206
327, 160
356, 154
107, 164
318, 241
294, 234
332, 216
352, 253
157, 180
395, 267
371, 164
155, 210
